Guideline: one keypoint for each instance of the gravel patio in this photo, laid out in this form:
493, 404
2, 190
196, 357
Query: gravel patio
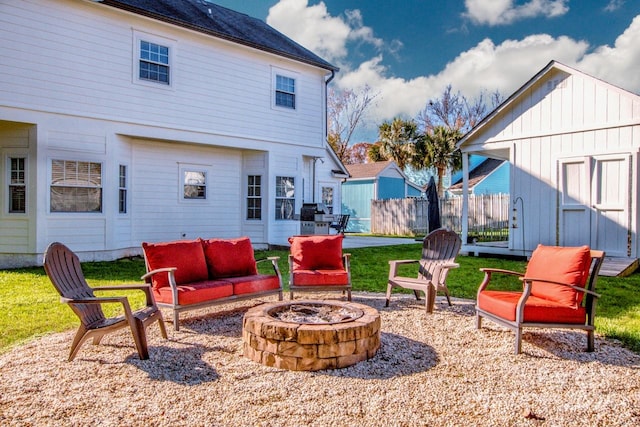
430, 370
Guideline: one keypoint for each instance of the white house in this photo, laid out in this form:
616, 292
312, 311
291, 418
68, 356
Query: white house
572, 142
137, 120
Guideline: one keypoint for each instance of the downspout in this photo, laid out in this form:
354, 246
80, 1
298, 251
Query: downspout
326, 132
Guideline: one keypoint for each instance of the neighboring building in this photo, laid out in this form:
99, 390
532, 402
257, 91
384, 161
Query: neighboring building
137, 120
487, 176
572, 142
373, 181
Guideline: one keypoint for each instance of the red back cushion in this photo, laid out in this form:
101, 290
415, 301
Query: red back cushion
321, 252
229, 257
568, 265
186, 255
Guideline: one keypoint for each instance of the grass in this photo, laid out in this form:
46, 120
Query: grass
30, 307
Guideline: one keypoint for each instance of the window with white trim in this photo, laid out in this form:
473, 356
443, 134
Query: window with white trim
194, 184
254, 197
17, 185
76, 186
122, 189
285, 95
285, 197
154, 62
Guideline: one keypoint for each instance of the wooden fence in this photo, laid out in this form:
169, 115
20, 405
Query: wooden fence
488, 216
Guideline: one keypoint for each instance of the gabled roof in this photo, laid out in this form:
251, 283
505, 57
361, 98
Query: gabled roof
217, 21
479, 173
369, 170
516, 95
373, 170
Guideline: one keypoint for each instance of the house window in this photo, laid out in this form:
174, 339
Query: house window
285, 92
254, 197
285, 197
327, 198
76, 186
195, 184
17, 185
154, 62
122, 190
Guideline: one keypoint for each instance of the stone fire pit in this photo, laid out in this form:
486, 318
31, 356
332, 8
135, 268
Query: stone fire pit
311, 335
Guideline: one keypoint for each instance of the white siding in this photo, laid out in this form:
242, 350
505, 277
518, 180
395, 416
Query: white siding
77, 58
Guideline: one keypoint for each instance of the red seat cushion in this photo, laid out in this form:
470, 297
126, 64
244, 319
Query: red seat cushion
255, 283
320, 277
321, 252
186, 255
568, 265
229, 257
196, 292
538, 310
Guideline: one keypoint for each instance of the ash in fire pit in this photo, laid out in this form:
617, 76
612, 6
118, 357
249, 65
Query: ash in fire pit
314, 313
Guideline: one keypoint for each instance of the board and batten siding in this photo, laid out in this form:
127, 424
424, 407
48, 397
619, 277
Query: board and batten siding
77, 58
560, 117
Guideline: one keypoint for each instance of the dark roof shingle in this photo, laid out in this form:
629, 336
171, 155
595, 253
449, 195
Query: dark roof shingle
218, 21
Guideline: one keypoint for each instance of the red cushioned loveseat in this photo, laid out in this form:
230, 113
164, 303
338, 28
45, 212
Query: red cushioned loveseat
191, 274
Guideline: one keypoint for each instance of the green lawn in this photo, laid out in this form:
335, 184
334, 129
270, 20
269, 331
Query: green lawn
30, 307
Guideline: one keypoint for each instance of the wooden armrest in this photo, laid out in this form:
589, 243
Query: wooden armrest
92, 300
499, 270
403, 261
122, 287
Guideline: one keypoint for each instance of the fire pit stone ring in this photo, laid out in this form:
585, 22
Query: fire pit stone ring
289, 335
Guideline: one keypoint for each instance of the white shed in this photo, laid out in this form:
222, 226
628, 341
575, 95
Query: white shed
572, 141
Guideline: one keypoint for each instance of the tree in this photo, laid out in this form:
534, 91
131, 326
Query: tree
345, 112
454, 111
397, 140
358, 153
375, 154
438, 149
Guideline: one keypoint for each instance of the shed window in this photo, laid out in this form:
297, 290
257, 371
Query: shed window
254, 197
154, 62
195, 184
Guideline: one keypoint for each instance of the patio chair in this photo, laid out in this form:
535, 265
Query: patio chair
65, 272
316, 263
340, 223
558, 292
439, 250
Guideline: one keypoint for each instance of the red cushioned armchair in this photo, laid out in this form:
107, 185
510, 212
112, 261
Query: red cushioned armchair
316, 263
558, 292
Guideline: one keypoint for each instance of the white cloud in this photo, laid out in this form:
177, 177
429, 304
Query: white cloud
502, 12
314, 28
484, 67
617, 65
614, 5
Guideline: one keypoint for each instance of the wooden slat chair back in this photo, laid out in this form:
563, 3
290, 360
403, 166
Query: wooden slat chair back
528, 308
439, 250
65, 273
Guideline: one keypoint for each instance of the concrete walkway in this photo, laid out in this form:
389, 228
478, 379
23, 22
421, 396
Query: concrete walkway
356, 241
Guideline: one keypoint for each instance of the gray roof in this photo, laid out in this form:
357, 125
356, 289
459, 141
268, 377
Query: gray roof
222, 23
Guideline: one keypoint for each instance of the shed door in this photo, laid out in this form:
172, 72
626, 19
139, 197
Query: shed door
594, 203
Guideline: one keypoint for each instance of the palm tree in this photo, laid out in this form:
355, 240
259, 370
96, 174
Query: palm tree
437, 149
398, 139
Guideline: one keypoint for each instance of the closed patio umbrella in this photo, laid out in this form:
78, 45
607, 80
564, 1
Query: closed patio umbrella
433, 210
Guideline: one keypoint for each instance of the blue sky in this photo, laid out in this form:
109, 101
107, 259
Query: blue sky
408, 51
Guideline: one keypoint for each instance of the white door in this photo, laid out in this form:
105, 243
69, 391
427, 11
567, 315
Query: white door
594, 203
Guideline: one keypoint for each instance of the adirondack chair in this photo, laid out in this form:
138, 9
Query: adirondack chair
439, 250
558, 291
65, 272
